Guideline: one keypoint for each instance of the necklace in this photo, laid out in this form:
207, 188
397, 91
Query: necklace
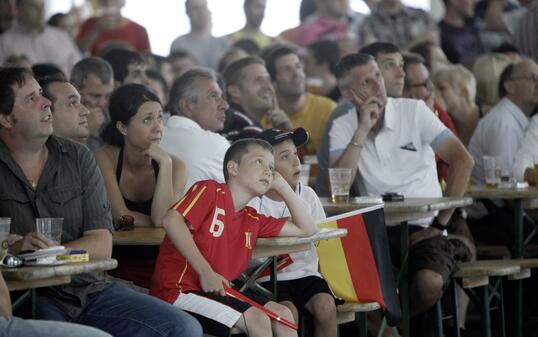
40, 166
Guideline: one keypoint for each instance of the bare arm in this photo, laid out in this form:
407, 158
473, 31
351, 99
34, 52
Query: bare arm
107, 167
278, 117
370, 111
176, 229
493, 19
170, 183
350, 157
460, 163
97, 242
5, 300
302, 223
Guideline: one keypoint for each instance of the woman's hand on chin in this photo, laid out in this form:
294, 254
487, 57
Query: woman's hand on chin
156, 153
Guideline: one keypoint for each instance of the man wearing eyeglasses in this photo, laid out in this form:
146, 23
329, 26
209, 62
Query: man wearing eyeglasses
500, 133
418, 85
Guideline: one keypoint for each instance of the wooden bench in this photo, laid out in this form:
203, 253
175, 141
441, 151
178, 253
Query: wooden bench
484, 251
475, 276
350, 312
477, 273
525, 265
345, 313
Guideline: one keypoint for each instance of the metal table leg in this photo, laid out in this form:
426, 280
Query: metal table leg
518, 253
486, 321
455, 312
363, 324
438, 319
404, 284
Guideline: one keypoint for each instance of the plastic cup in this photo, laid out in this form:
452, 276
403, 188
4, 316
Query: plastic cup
340, 180
50, 227
491, 172
305, 174
535, 170
5, 226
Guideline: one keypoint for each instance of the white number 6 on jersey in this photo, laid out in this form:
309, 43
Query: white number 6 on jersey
217, 226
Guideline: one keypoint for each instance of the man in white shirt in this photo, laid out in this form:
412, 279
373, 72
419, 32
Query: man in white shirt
500, 132
390, 146
40, 42
391, 65
527, 155
198, 112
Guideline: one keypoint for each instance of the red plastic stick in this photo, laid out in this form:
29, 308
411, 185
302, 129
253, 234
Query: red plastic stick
234, 293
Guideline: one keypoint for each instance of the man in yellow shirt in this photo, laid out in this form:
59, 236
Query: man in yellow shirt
254, 14
303, 108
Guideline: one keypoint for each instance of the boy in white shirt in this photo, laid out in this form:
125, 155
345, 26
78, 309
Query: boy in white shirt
300, 285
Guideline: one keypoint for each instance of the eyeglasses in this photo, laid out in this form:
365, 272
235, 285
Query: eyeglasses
426, 84
532, 77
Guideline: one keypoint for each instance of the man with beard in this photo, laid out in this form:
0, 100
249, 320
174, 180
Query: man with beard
251, 96
70, 116
303, 109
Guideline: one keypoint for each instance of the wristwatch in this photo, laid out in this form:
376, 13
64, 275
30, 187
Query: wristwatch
125, 223
436, 224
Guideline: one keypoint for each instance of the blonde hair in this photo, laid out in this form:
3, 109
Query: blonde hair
456, 76
487, 70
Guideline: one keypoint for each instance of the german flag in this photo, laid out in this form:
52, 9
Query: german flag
358, 266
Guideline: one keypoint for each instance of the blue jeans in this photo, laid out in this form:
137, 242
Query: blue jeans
16, 327
121, 311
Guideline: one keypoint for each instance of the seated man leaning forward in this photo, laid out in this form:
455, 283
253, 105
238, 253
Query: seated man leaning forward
390, 144
210, 235
47, 176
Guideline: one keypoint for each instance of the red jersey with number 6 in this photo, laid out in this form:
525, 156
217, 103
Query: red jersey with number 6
225, 239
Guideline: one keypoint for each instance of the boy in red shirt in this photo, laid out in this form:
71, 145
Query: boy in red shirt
210, 235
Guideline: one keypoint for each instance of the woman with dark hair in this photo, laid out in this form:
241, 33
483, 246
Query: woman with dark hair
142, 180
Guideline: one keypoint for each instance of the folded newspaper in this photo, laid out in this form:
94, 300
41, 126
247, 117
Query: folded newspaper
46, 256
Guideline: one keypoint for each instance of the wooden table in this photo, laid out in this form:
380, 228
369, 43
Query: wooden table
44, 276
522, 198
30, 278
140, 236
401, 212
267, 247
146, 236
485, 278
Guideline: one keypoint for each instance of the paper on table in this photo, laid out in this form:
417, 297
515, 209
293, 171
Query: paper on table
43, 253
209, 308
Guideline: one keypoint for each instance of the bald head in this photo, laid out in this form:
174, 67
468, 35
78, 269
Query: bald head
519, 83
